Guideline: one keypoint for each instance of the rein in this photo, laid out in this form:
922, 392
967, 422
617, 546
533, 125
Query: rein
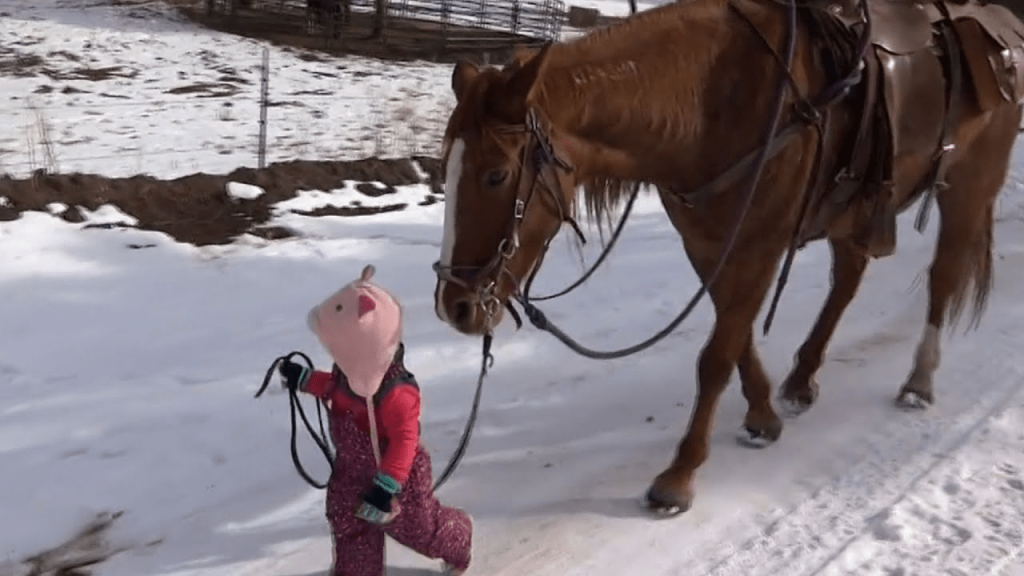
542, 159
806, 113
772, 144
322, 441
296, 406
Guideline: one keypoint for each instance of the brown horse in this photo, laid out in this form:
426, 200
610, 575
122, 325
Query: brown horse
882, 103
328, 16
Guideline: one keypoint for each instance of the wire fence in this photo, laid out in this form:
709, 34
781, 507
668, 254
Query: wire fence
176, 135
541, 19
461, 20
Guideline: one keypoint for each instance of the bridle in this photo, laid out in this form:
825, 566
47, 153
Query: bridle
806, 113
538, 161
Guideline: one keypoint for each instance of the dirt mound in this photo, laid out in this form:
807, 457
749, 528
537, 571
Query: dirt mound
197, 208
78, 555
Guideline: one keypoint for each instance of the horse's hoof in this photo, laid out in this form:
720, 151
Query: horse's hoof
755, 438
666, 502
793, 407
797, 396
914, 400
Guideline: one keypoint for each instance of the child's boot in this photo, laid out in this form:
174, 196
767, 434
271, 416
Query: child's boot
449, 570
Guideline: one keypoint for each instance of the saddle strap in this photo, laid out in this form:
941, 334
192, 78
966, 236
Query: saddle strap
851, 178
936, 180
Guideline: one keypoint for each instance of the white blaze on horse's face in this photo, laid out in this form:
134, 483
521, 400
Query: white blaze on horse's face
453, 173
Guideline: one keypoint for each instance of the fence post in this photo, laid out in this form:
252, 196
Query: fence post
515, 17
264, 80
446, 7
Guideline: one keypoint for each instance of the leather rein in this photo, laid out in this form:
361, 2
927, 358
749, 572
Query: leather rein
539, 161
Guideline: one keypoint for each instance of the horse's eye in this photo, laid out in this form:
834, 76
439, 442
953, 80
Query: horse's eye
496, 178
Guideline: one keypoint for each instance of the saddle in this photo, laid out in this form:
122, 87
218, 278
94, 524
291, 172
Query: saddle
913, 78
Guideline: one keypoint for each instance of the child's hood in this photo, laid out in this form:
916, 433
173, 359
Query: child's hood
360, 325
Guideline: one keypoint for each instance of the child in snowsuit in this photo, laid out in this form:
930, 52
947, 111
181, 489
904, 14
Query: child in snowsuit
381, 481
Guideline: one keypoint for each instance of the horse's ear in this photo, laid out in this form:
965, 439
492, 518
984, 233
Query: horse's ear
524, 80
520, 55
462, 75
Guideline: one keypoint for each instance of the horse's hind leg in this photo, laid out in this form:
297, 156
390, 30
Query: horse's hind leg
963, 254
800, 389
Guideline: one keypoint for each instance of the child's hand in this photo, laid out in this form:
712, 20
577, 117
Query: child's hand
379, 505
293, 375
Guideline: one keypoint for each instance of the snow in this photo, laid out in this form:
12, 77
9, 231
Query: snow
126, 381
616, 7
241, 191
128, 387
347, 195
197, 92
181, 99
107, 214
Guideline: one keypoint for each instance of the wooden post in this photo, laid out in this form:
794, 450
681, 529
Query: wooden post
264, 103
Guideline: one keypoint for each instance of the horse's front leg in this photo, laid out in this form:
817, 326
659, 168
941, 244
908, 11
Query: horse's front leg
737, 295
800, 389
762, 425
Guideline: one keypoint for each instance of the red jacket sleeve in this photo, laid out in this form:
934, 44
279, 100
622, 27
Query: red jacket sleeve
399, 415
320, 384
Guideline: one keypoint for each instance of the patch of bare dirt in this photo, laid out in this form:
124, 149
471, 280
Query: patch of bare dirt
18, 64
207, 89
197, 208
66, 55
354, 210
93, 74
46, 89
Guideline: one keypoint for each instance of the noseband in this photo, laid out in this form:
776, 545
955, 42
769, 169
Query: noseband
538, 157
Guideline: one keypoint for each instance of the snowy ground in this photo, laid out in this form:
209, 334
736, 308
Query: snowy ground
126, 381
123, 91
127, 374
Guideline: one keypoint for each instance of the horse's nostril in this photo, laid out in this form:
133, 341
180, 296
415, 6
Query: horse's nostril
462, 312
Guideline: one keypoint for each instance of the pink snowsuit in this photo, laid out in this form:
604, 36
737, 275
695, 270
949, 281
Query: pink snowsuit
423, 524
360, 325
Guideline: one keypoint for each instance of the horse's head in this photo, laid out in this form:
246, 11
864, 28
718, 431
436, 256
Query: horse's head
507, 191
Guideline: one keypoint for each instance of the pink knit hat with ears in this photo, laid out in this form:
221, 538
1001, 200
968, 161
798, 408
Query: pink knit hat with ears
361, 327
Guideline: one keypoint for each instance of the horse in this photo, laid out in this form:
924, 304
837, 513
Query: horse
320, 13
762, 125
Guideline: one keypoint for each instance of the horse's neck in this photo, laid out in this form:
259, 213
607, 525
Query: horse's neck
627, 113
652, 117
